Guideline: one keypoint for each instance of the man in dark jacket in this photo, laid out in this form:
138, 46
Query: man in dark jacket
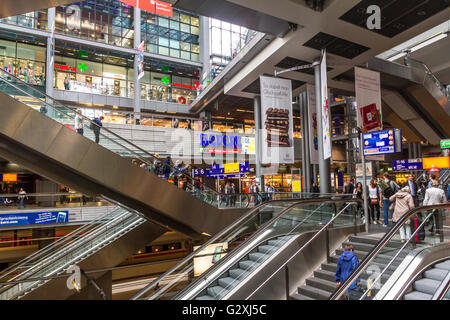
96, 128
346, 264
414, 189
351, 186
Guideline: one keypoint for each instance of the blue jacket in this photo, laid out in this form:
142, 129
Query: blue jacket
98, 121
346, 264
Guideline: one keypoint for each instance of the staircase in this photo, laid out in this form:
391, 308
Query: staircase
220, 287
322, 283
425, 288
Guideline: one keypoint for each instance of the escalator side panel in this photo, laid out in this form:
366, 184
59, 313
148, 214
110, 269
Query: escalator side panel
38, 139
300, 267
107, 257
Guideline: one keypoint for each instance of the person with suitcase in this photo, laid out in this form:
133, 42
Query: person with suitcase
403, 202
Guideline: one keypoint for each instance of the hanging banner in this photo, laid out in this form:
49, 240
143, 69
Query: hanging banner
312, 118
326, 131
276, 116
368, 99
153, 6
140, 60
52, 43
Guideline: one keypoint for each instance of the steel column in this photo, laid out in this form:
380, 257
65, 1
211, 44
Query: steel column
137, 82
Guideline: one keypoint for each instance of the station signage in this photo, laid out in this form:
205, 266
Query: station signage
436, 163
445, 144
382, 142
408, 164
228, 169
25, 218
63, 67
8, 177
217, 143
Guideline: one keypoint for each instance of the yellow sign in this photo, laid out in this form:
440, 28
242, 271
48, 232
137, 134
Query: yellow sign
437, 162
10, 177
296, 186
231, 167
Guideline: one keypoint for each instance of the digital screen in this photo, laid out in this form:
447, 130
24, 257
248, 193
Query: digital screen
382, 142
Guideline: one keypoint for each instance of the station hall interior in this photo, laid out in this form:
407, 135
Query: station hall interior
297, 150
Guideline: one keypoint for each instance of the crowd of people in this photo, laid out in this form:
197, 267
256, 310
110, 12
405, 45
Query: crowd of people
396, 201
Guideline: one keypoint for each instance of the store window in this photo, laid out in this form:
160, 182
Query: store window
34, 20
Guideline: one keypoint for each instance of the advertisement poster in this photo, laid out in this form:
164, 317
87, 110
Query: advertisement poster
140, 60
277, 121
326, 135
312, 117
15, 219
359, 169
208, 256
368, 93
153, 6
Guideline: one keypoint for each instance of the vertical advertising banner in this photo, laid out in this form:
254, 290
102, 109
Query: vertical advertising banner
140, 60
326, 131
312, 118
277, 121
52, 43
368, 99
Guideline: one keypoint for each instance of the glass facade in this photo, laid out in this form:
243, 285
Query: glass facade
176, 37
25, 61
35, 20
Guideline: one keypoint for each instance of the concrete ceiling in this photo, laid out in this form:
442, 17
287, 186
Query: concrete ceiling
329, 23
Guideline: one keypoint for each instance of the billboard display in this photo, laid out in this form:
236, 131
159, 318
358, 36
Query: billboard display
24, 218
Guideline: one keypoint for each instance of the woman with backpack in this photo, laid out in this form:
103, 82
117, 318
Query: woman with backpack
402, 202
374, 202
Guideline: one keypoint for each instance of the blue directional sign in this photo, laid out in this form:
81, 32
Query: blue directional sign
408, 164
382, 142
24, 218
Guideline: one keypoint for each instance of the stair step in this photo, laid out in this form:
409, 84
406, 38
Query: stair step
436, 274
228, 282
257, 257
205, 298
297, 296
416, 295
313, 292
321, 284
325, 275
425, 285
373, 241
329, 267
216, 292
238, 273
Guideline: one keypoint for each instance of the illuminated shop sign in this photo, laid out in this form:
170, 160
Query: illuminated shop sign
62, 67
216, 143
152, 6
186, 86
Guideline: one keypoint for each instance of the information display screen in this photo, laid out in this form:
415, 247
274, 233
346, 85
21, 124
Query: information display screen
407, 164
382, 142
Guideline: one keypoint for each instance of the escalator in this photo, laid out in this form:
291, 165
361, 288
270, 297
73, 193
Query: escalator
409, 269
237, 261
33, 134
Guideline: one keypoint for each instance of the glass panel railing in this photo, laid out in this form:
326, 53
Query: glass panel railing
295, 220
420, 228
74, 250
223, 243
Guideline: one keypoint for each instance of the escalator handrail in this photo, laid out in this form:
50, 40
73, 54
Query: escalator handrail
258, 232
212, 240
442, 289
379, 246
59, 241
73, 109
318, 233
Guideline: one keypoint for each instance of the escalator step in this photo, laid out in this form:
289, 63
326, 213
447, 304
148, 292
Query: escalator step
297, 296
228, 283
267, 249
329, 267
205, 298
248, 265
217, 292
416, 295
284, 238
257, 256
428, 286
443, 265
325, 275
238, 273
436, 274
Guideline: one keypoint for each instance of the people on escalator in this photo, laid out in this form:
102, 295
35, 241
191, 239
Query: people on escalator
79, 122
166, 169
348, 262
414, 189
434, 196
402, 203
96, 127
375, 202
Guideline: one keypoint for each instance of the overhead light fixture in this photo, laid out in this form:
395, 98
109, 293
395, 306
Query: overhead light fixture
419, 46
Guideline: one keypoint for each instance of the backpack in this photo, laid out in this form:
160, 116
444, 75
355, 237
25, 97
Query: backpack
388, 189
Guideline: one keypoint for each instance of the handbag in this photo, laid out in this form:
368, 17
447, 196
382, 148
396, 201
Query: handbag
373, 201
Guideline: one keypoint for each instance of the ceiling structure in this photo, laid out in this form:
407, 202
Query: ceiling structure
9, 8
